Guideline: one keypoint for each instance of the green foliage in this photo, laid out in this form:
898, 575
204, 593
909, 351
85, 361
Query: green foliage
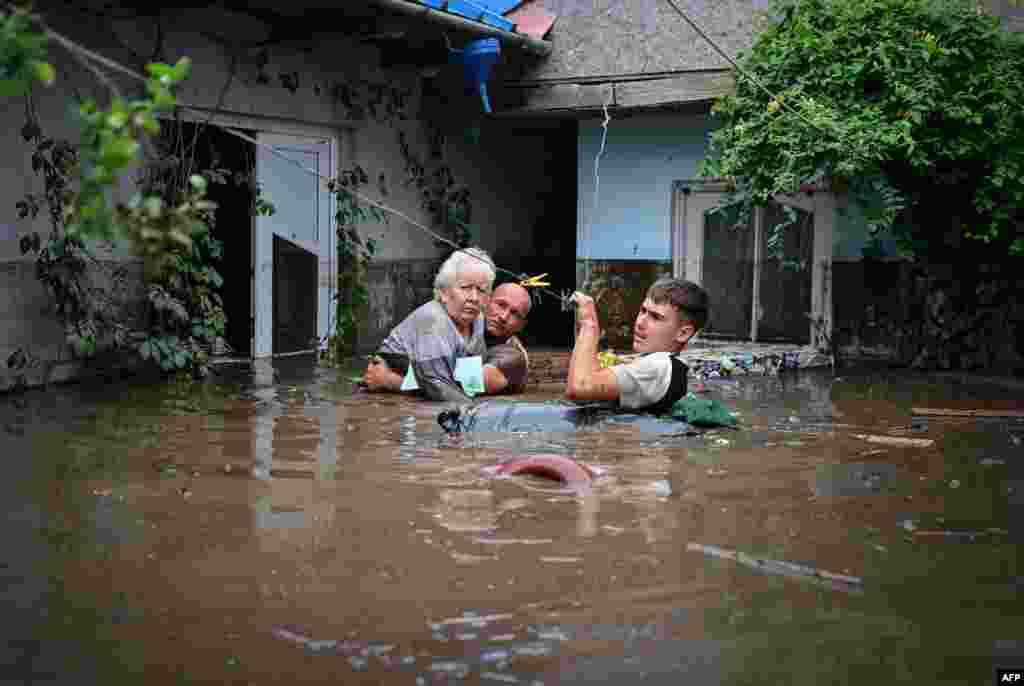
22, 53
354, 256
64, 264
187, 311
448, 202
110, 146
912, 103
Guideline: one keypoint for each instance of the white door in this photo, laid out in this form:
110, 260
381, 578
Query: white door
303, 212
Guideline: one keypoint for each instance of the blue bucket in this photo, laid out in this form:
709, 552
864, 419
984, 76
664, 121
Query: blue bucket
478, 59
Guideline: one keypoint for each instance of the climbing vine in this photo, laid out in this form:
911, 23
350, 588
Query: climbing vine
447, 202
170, 226
354, 256
77, 180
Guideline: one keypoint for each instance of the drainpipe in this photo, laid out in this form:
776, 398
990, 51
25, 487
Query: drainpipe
455, 22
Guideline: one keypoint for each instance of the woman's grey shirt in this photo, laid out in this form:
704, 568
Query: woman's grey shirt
431, 342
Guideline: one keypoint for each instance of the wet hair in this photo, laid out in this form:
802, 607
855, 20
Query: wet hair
690, 299
459, 261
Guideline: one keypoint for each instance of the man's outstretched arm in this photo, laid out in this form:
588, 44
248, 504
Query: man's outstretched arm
587, 380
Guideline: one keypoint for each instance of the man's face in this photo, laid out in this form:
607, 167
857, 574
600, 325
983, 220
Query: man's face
659, 328
507, 310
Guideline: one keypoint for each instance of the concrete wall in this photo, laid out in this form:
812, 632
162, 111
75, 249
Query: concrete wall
323, 84
643, 155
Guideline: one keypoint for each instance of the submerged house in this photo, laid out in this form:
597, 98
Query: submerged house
568, 135
640, 82
282, 97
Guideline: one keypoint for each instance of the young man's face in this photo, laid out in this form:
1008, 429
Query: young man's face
659, 328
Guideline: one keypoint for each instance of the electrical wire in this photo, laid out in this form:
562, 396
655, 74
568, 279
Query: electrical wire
82, 51
747, 75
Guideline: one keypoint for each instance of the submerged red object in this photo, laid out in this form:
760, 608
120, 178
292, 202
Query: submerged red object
550, 466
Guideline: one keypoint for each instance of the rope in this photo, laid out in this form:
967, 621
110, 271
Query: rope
588, 225
74, 47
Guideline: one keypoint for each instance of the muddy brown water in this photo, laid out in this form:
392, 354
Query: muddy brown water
280, 529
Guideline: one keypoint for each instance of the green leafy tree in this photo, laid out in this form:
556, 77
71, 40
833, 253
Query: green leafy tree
914, 106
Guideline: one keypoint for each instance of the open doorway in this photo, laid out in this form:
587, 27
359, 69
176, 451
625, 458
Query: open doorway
229, 164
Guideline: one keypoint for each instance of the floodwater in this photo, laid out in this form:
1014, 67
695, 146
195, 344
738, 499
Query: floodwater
272, 526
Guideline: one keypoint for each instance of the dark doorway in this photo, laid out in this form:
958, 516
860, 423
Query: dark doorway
229, 165
728, 274
295, 298
553, 232
786, 280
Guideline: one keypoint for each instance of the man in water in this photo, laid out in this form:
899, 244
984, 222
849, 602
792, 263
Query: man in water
672, 313
505, 362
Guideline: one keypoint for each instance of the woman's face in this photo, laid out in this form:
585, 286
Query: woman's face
467, 297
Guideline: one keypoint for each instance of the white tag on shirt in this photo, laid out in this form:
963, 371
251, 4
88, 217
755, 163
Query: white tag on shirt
409, 382
469, 371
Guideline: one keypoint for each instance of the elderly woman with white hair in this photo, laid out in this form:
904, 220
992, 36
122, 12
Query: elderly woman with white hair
430, 340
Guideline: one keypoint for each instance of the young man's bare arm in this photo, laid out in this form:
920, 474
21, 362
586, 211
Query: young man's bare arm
587, 381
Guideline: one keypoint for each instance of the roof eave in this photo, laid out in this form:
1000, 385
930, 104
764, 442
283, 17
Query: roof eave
523, 42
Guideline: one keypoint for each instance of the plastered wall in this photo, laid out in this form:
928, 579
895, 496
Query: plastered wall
334, 86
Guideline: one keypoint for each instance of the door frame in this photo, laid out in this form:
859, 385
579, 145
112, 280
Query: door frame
334, 135
324, 247
692, 197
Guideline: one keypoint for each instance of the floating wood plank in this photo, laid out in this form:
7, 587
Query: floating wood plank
695, 87
952, 412
773, 566
896, 440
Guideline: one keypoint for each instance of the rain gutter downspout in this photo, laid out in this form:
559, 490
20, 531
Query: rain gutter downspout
507, 38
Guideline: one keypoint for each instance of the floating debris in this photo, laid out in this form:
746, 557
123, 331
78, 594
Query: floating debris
321, 646
378, 649
289, 635
662, 488
946, 412
552, 634
969, 535
494, 656
775, 566
453, 668
533, 649
470, 619
358, 663
992, 461
896, 440
497, 676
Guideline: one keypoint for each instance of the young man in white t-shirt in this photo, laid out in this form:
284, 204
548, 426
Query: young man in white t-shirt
672, 312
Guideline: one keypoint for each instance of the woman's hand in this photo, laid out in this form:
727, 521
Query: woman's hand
379, 377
